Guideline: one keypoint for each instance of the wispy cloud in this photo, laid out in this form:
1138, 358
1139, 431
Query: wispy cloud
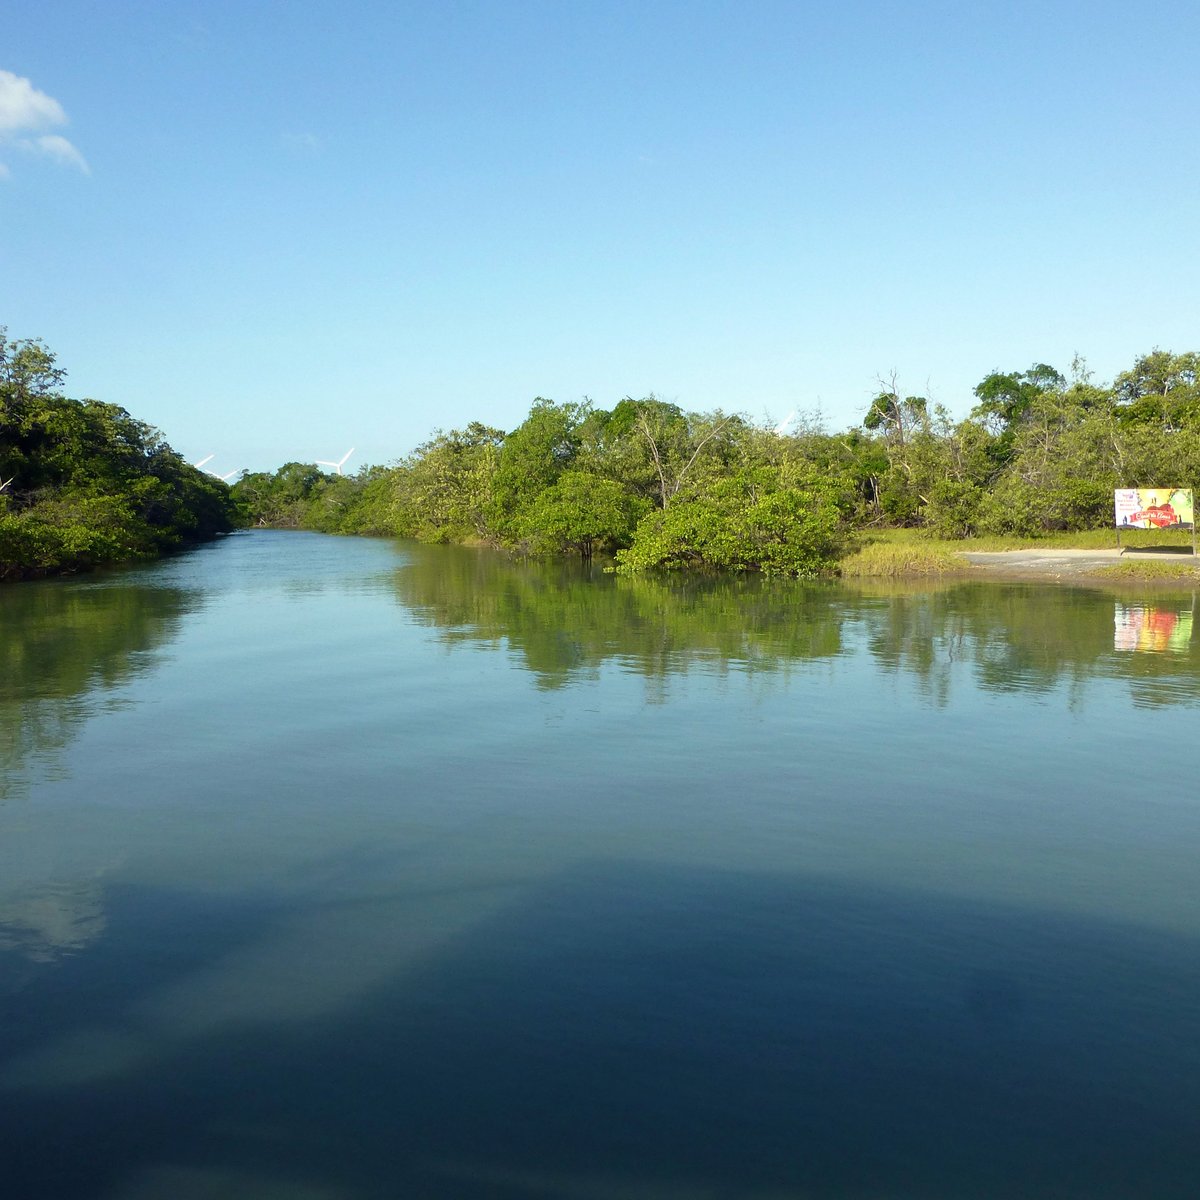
24, 113
303, 143
58, 148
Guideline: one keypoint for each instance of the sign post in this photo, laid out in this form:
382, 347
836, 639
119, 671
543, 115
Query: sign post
1155, 508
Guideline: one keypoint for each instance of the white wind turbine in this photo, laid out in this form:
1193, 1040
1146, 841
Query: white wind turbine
337, 466
223, 478
779, 429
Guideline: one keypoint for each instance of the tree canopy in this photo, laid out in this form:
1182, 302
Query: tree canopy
83, 483
651, 485
656, 486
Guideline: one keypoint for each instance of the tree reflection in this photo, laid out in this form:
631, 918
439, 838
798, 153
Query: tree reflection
1028, 638
568, 619
65, 647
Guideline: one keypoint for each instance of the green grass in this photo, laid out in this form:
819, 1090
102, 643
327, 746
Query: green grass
1084, 539
891, 553
1152, 570
904, 558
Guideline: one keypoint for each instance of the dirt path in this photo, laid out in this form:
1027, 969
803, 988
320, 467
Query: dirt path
1068, 564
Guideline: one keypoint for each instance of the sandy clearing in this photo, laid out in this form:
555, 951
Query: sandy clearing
1068, 564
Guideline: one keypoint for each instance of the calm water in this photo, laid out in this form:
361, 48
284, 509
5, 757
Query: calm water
349, 870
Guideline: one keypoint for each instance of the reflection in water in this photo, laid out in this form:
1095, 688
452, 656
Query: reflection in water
64, 646
581, 908
42, 925
1151, 627
1018, 638
67, 651
567, 619
620, 1029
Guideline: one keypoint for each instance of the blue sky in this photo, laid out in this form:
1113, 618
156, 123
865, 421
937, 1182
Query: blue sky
278, 230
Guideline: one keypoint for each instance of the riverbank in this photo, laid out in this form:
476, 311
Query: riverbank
1158, 565
1150, 556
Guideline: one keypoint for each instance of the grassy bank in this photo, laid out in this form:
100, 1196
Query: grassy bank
1186, 571
904, 558
899, 553
1086, 539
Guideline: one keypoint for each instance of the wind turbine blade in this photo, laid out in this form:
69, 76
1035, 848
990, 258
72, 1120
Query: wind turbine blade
201, 463
779, 429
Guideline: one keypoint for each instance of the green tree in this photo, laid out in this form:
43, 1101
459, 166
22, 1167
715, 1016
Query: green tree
531, 458
755, 520
896, 418
444, 490
1005, 402
83, 482
1061, 472
281, 498
579, 513
675, 441
900, 422
1160, 388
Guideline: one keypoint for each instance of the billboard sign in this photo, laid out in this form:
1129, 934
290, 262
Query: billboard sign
1154, 508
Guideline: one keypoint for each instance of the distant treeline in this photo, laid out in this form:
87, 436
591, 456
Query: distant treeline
83, 483
657, 486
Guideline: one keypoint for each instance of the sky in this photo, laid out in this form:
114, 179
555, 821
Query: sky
280, 230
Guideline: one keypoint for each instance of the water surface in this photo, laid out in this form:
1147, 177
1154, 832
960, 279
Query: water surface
336, 869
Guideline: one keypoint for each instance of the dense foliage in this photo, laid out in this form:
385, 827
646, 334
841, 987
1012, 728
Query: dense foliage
82, 483
659, 487
646, 481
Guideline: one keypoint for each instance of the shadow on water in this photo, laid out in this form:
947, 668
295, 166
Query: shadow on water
619, 1030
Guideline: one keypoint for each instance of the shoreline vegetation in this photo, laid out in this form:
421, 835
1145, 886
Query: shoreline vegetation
645, 485
84, 484
653, 487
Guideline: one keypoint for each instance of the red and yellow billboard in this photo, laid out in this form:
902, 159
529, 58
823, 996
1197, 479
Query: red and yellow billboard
1154, 508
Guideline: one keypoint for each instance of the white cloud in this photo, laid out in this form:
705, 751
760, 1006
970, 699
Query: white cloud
24, 110
59, 149
23, 107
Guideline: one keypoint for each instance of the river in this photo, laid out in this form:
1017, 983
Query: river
344, 869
